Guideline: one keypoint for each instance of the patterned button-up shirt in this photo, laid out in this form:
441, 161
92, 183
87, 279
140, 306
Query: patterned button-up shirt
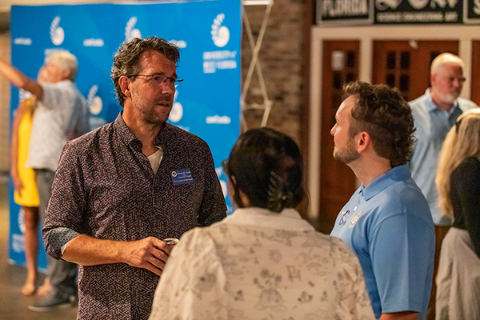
105, 188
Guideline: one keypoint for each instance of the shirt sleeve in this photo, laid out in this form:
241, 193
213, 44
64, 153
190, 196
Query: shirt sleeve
193, 282
67, 203
402, 261
354, 302
465, 181
213, 207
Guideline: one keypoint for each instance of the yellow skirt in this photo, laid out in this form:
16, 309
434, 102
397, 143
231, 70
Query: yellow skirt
29, 197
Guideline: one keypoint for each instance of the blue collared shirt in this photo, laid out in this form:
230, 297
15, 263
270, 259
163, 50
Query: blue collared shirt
389, 227
432, 125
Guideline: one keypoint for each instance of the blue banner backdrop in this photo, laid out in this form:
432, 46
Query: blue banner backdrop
208, 34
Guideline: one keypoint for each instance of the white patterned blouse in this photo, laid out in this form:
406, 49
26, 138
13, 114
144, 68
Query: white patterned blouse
257, 264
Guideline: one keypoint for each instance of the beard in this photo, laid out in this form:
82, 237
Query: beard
347, 154
449, 97
152, 112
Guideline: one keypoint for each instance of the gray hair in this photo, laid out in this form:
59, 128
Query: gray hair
443, 59
126, 60
66, 61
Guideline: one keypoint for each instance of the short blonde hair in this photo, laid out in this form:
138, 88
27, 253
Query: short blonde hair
443, 59
462, 141
66, 61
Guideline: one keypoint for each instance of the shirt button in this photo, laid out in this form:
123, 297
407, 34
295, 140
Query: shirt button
355, 209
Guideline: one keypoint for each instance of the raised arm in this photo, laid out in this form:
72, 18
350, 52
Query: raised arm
20, 80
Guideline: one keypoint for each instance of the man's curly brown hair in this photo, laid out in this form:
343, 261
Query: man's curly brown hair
386, 117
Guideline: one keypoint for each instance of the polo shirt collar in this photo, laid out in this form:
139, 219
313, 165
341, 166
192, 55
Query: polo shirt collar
384, 181
287, 219
433, 107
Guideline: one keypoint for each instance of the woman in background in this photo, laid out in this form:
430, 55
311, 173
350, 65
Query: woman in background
458, 182
264, 260
26, 194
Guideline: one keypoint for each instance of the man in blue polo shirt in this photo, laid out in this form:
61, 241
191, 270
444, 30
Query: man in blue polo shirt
387, 222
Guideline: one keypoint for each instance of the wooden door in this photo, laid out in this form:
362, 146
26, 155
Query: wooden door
337, 181
406, 64
475, 78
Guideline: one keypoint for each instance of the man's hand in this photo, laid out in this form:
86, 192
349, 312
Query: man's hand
149, 253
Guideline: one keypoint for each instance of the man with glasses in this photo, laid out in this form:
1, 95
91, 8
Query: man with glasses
126, 186
386, 222
434, 114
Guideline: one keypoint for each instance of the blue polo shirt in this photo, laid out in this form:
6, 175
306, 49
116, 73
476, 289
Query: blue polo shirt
432, 125
389, 227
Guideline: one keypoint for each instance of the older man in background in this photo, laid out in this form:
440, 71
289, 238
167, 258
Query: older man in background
61, 114
434, 114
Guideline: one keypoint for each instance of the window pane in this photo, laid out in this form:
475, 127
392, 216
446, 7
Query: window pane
404, 82
390, 80
337, 80
391, 57
350, 77
405, 60
350, 59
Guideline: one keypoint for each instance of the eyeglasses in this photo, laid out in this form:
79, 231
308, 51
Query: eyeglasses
158, 79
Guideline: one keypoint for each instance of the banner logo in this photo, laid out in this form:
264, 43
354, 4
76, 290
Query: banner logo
220, 34
21, 220
56, 33
176, 114
93, 43
130, 32
214, 60
23, 41
179, 43
216, 119
95, 103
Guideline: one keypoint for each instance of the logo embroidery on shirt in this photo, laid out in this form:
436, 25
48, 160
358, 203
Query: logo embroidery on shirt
354, 220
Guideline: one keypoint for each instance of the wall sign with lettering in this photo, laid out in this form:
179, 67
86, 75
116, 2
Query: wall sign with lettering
341, 12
